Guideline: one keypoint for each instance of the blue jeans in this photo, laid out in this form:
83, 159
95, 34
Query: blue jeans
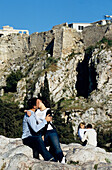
51, 139
38, 146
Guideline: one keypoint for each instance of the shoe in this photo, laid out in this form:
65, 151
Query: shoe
63, 160
52, 160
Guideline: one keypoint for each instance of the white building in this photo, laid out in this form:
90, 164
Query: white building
101, 22
9, 30
79, 26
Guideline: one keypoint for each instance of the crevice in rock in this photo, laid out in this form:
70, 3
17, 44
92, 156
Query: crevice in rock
86, 77
49, 48
92, 78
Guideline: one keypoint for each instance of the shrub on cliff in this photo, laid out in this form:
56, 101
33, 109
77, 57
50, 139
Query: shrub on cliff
106, 41
11, 81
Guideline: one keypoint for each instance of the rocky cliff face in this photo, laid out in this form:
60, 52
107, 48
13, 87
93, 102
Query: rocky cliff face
80, 75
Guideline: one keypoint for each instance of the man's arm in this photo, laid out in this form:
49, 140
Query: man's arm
84, 137
33, 124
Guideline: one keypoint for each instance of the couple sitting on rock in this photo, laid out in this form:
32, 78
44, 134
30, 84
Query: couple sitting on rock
87, 135
39, 132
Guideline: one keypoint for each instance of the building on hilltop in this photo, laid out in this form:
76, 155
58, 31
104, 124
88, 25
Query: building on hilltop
79, 26
101, 22
9, 30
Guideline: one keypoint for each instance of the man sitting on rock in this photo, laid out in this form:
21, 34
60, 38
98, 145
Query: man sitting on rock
90, 136
31, 133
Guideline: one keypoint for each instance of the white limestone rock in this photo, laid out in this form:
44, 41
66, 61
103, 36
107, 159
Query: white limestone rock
15, 155
84, 154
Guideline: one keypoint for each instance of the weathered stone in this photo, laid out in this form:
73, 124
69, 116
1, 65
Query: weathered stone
88, 153
93, 34
15, 155
21, 92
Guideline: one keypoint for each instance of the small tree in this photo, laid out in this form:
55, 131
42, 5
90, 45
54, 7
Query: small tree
45, 91
65, 130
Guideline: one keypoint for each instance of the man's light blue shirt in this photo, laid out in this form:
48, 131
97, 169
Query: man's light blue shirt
31, 121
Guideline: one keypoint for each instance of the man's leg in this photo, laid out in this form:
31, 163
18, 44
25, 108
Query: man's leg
38, 146
51, 137
35, 153
28, 141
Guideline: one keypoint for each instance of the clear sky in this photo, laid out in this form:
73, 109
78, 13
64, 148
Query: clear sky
42, 15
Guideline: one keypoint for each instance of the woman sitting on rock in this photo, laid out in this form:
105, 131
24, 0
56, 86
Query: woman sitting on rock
81, 130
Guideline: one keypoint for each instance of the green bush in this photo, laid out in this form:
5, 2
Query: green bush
106, 41
11, 81
50, 61
11, 119
65, 130
104, 136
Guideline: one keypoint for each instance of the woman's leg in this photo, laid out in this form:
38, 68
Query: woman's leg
51, 138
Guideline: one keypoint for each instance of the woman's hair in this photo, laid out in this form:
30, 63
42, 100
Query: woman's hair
44, 101
32, 102
82, 123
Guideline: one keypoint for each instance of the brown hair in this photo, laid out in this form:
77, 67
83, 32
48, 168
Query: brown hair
82, 123
32, 102
44, 101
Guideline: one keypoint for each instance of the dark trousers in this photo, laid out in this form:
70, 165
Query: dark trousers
51, 139
38, 146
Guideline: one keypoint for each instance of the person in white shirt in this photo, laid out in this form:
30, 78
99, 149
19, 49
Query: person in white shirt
90, 136
81, 130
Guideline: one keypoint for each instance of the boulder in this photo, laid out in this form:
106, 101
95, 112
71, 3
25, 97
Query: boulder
84, 154
14, 155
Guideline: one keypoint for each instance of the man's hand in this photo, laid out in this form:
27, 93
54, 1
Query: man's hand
48, 118
28, 112
43, 138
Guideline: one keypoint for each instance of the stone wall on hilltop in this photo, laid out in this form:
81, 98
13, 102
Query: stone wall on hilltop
13, 49
93, 34
41, 41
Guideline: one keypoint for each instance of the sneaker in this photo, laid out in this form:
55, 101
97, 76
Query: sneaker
63, 160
